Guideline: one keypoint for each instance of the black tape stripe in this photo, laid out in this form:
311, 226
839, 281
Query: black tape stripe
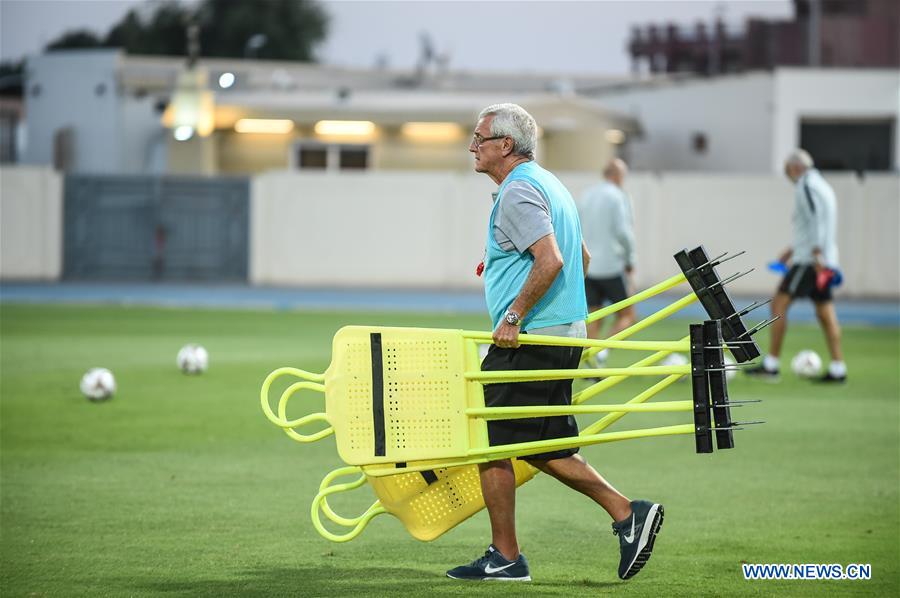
429, 476
377, 393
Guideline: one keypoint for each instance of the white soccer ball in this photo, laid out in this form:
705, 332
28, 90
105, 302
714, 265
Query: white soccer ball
676, 359
729, 361
806, 364
98, 384
192, 359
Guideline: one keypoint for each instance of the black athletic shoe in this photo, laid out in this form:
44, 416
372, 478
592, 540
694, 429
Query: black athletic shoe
762, 373
829, 379
636, 536
493, 566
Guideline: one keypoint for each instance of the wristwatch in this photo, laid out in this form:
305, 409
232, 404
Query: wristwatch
512, 318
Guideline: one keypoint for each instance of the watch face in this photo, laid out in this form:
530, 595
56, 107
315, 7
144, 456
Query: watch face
512, 319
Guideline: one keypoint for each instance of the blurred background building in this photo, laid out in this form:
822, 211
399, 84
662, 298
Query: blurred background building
186, 145
830, 33
103, 111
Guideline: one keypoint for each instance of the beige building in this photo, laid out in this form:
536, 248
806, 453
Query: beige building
109, 112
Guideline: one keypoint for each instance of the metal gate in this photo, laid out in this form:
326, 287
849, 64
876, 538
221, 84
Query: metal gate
156, 228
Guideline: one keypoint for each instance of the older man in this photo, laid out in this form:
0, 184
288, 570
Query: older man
534, 269
813, 258
608, 227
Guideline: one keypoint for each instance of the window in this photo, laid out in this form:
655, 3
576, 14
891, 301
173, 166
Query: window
311, 157
354, 157
849, 145
319, 156
699, 143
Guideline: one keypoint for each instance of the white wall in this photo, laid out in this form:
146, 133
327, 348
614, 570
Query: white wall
428, 230
752, 121
733, 112
67, 97
31, 213
368, 229
832, 94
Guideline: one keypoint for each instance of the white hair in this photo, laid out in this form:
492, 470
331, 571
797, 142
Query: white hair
800, 157
513, 121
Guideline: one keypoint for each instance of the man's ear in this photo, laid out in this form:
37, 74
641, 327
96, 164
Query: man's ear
507, 146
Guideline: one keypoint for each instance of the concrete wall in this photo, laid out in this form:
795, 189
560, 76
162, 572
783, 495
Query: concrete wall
368, 229
734, 113
428, 229
31, 213
751, 121
833, 94
77, 90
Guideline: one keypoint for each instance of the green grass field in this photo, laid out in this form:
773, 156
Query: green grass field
180, 486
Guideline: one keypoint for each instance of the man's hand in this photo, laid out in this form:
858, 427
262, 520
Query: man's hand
506, 336
785, 256
629, 279
818, 264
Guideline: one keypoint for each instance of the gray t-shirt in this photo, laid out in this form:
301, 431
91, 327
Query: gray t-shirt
522, 219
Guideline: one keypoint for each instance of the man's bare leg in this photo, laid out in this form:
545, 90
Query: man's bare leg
624, 319
498, 486
576, 473
829, 322
780, 304
593, 328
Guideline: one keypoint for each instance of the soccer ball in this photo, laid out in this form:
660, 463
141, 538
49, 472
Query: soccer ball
98, 384
192, 359
729, 361
675, 359
806, 364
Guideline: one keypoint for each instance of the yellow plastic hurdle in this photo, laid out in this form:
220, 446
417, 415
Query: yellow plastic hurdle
400, 395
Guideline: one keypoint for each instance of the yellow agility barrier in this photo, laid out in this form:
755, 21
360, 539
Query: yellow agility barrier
395, 395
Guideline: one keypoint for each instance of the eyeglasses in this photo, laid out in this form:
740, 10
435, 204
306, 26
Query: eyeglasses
477, 139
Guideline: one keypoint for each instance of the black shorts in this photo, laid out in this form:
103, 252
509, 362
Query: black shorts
511, 394
599, 290
800, 282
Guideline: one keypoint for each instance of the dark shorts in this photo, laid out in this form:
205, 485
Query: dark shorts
599, 290
800, 282
511, 394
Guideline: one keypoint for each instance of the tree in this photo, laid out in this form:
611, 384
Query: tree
80, 38
163, 33
281, 29
292, 28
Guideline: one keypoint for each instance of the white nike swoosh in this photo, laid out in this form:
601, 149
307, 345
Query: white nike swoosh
630, 538
489, 569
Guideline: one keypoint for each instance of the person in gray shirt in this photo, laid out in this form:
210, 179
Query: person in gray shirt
813, 259
608, 230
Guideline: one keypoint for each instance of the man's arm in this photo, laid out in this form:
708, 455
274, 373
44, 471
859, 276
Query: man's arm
548, 263
585, 257
819, 224
625, 233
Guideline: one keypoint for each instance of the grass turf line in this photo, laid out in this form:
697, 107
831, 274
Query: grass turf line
180, 486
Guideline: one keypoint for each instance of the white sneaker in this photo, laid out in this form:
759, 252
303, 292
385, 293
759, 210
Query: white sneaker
601, 357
